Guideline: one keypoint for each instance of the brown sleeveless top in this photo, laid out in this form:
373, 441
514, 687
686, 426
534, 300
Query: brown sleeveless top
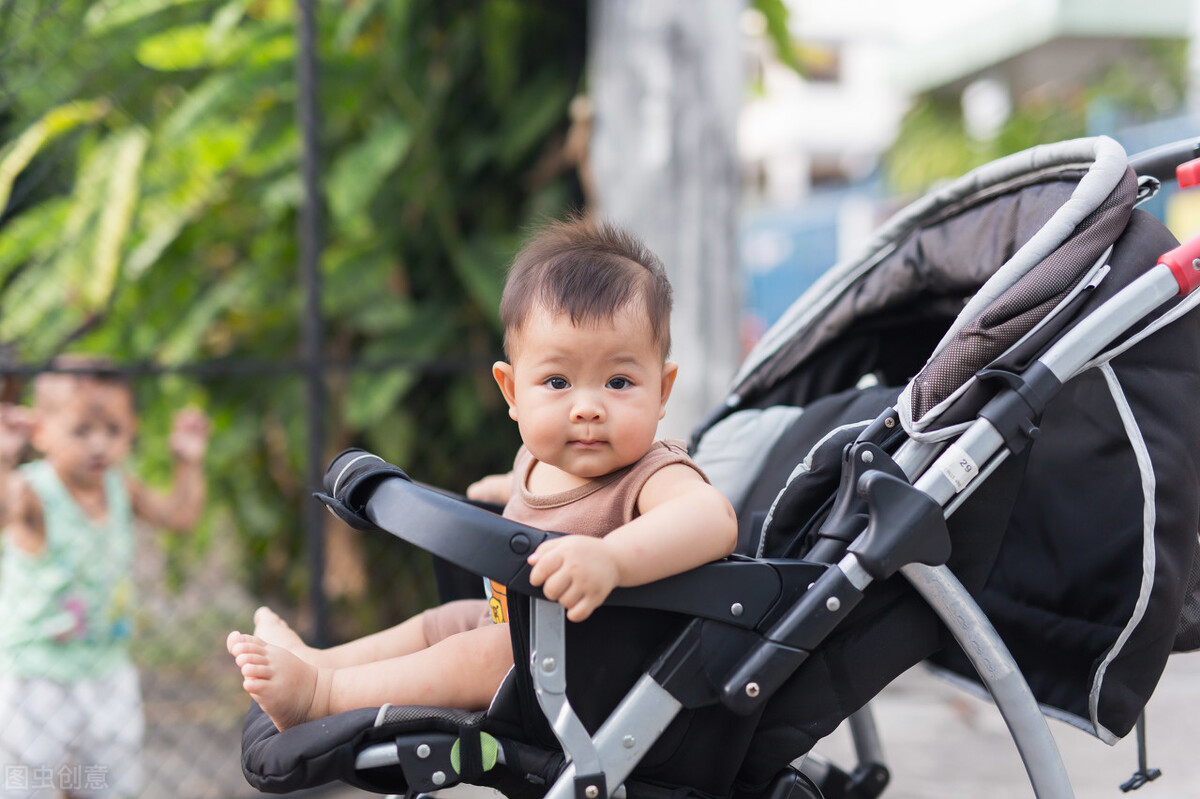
595, 508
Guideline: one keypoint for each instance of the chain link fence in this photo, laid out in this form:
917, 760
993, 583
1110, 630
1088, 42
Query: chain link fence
156, 183
171, 727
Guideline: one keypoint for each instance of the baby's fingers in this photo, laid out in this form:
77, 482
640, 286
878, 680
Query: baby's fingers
582, 609
544, 562
556, 585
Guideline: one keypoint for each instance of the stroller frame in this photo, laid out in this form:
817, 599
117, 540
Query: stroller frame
908, 496
618, 746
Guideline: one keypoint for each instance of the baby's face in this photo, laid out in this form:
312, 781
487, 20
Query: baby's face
586, 397
86, 432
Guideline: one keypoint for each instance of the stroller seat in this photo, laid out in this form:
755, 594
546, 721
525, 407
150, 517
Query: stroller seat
1035, 476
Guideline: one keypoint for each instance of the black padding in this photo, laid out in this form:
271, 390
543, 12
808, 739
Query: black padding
304, 756
349, 480
324, 750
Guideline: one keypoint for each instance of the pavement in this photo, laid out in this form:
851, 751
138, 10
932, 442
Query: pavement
941, 742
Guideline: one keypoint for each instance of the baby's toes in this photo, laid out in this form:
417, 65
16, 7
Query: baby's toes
255, 669
251, 658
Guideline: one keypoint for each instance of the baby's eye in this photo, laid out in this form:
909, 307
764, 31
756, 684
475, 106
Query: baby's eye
619, 383
558, 383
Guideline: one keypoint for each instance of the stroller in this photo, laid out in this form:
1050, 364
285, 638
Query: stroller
1023, 513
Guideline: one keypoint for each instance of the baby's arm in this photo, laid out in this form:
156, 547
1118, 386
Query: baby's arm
495, 488
684, 523
20, 510
180, 508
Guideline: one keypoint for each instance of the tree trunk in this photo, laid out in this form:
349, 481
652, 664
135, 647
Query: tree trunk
666, 81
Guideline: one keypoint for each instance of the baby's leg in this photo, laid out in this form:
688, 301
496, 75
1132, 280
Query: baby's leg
402, 639
462, 671
290, 690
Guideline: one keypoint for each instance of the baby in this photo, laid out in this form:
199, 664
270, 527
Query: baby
586, 314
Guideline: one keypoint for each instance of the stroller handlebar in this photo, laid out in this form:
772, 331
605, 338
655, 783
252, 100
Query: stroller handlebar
1161, 162
1184, 263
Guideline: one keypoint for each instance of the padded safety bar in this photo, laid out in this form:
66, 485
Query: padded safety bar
348, 481
367, 492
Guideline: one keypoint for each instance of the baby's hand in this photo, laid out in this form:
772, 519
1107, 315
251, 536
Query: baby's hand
189, 435
494, 488
16, 422
576, 571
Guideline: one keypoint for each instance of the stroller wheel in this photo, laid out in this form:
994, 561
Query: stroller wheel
791, 784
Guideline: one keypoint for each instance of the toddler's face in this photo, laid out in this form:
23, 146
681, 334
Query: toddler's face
87, 431
588, 397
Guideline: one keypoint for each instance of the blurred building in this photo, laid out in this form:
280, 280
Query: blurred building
811, 143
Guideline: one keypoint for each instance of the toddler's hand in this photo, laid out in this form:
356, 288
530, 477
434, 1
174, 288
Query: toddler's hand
494, 488
16, 423
189, 435
576, 571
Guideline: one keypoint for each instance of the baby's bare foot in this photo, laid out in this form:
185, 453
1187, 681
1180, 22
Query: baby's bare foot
274, 630
285, 686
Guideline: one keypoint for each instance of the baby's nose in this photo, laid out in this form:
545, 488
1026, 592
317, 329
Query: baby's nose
587, 409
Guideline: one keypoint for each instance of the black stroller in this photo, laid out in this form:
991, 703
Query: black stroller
1036, 484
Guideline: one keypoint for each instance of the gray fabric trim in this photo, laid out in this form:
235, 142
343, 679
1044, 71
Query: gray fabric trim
732, 451
915, 429
1149, 512
977, 690
1108, 167
801, 468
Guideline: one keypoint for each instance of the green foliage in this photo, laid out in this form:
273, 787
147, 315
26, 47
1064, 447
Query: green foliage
776, 14
933, 144
150, 169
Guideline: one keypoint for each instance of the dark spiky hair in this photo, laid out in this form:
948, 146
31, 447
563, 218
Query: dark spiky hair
588, 270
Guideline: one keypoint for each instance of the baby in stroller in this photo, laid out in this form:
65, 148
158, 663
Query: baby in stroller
586, 316
1044, 428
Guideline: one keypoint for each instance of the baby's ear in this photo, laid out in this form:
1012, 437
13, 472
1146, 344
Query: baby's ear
502, 372
670, 372
37, 430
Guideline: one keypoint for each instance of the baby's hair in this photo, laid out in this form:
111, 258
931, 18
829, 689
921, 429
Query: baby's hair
589, 270
68, 372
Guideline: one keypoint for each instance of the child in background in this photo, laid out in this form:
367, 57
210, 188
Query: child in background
70, 706
586, 314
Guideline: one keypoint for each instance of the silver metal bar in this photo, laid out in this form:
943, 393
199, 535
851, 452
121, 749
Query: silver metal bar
865, 736
1000, 675
378, 756
548, 664
958, 465
914, 457
1105, 324
626, 736
852, 569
